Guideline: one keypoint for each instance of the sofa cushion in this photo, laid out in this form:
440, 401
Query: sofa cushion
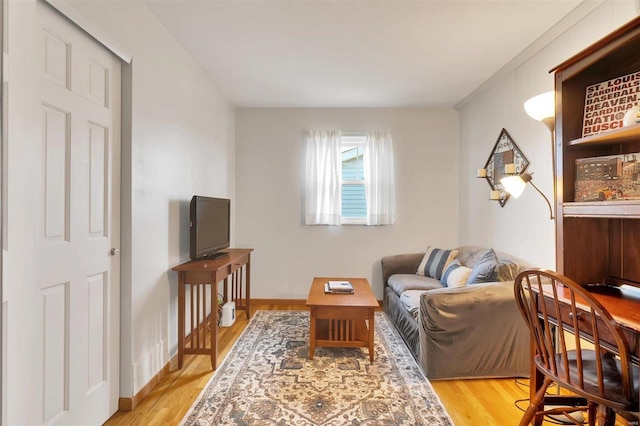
411, 301
456, 275
507, 269
486, 269
469, 255
400, 283
435, 261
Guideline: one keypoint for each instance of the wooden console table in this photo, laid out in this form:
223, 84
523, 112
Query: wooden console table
201, 278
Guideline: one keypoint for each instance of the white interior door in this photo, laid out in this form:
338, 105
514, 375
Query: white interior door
78, 222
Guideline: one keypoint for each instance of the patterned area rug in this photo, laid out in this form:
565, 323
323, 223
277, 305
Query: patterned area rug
267, 379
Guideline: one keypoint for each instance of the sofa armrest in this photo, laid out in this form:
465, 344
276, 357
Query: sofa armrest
400, 264
473, 331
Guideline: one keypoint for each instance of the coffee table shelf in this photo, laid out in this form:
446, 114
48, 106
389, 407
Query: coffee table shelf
342, 320
342, 333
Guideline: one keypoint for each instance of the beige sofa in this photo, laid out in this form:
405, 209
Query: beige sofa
473, 331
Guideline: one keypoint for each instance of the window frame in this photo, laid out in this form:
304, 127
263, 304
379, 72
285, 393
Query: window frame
349, 141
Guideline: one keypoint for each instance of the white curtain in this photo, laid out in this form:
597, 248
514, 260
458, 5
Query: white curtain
379, 178
323, 173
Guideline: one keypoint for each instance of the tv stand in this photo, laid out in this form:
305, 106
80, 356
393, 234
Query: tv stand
198, 306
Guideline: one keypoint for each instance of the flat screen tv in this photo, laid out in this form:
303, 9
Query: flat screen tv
209, 226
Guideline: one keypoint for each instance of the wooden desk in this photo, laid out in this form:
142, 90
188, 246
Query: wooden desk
201, 278
624, 306
342, 320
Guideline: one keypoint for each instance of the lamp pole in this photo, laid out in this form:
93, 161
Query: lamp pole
545, 198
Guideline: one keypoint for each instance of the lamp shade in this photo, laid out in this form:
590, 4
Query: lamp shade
541, 107
514, 185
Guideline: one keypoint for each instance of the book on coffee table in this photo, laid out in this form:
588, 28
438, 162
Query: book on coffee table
338, 287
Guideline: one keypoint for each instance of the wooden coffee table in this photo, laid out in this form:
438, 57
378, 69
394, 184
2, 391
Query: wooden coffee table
341, 320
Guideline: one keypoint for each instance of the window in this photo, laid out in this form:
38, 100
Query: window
349, 179
354, 201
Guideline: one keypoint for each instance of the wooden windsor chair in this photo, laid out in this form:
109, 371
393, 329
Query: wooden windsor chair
553, 304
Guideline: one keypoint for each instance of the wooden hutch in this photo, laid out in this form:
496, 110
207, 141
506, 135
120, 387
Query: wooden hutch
597, 242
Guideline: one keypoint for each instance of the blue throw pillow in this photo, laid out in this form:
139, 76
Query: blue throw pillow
486, 269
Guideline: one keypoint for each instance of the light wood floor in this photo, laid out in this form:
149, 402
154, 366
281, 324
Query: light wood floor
469, 402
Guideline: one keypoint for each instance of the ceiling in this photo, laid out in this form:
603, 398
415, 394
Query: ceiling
385, 53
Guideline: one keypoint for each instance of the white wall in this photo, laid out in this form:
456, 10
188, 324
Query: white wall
522, 227
269, 203
181, 142
20, 289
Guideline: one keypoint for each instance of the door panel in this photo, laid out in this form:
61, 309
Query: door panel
79, 223
56, 384
56, 174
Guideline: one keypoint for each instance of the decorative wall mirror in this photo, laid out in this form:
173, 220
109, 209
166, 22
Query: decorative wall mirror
505, 159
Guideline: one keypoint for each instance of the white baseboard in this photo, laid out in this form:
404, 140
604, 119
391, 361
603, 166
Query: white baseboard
149, 365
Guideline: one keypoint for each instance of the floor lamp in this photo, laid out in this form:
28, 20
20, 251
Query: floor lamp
543, 108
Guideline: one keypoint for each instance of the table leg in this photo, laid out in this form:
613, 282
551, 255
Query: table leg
181, 314
248, 281
312, 332
372, 327
214, 326
225, 290
535, 381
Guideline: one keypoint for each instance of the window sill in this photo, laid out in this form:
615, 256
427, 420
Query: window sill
361, 222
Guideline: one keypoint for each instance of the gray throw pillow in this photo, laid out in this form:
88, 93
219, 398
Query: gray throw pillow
485, 270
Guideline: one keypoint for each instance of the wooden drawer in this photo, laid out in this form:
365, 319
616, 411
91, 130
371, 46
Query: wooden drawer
198, 277
232, 267
585, 323
239, 263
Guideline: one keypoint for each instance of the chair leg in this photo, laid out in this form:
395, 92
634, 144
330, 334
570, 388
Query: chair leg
604, 416
592, 409
611, 417
534, 404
